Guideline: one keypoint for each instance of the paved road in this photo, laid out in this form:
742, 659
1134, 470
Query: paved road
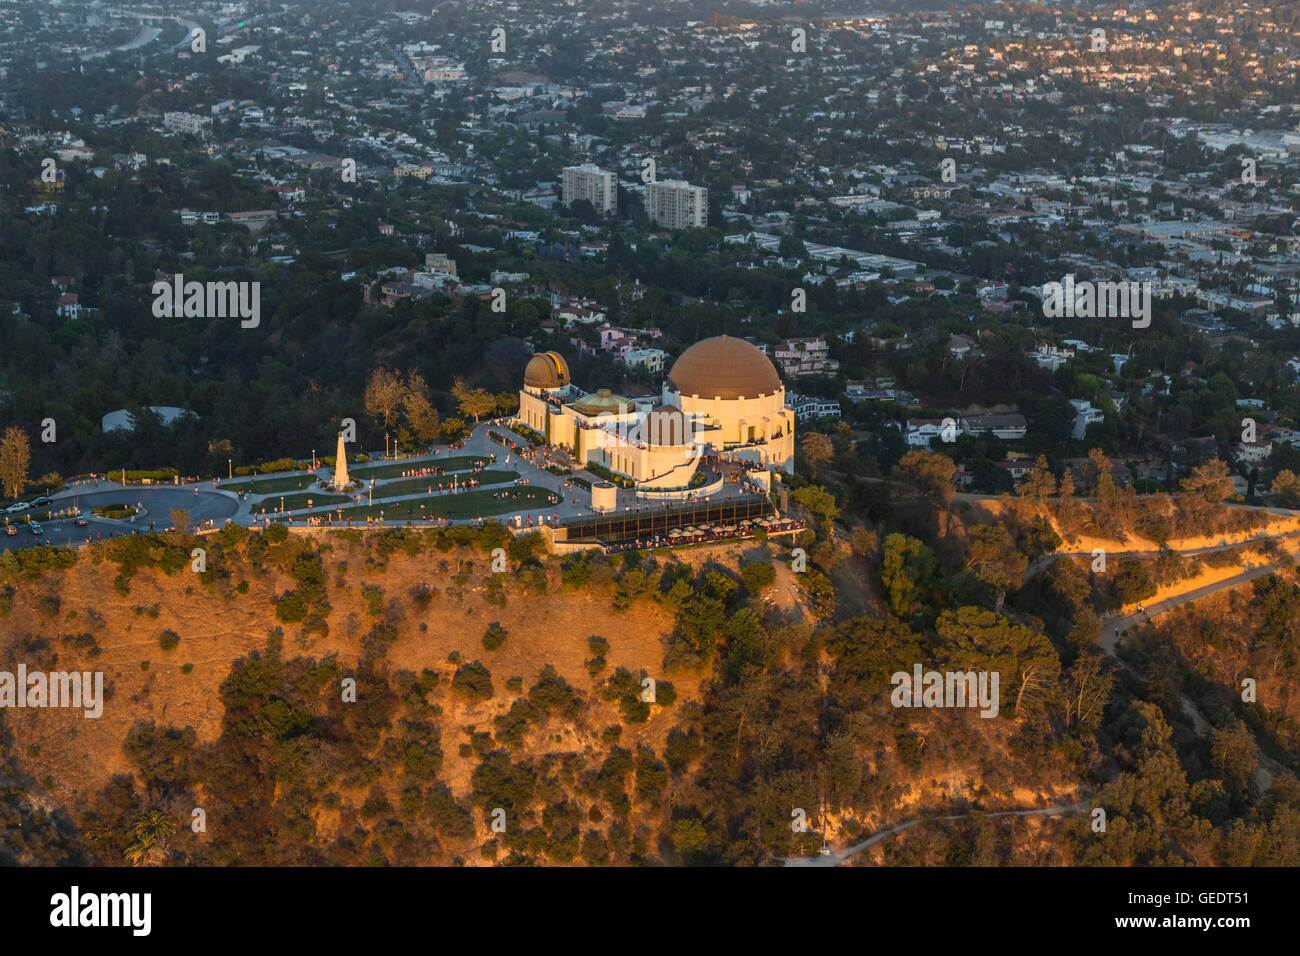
1115, 625
1047, 560
157, 500
836, 857
1113, 628
205, 501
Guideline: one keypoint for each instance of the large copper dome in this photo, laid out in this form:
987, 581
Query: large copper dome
723, 367
546, 370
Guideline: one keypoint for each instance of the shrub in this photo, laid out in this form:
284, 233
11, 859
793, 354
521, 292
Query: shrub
665, 694
494, 637
634, 710
422, 595
553, 695
291, 608
374, 598
168, 640
1133, 582
909, 749
757, 575
473, 681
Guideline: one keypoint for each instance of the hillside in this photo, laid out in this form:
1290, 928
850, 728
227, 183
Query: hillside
498, 718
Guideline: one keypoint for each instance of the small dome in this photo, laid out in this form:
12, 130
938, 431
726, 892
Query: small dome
546, 370
602, 402
724, 367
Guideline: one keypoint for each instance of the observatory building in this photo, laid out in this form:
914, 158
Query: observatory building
722, 397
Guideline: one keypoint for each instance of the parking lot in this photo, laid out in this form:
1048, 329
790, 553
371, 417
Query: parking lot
156, 504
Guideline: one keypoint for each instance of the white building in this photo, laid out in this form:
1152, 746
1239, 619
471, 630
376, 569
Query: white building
919, 432
676, 204
186, 123
191, 217
1051, 357
123, 420
652, 360
722, 396
1007, 427
593, 184
1085, 415
806, 408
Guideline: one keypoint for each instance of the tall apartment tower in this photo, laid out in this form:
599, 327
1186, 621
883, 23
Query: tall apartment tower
676, 204
592, 184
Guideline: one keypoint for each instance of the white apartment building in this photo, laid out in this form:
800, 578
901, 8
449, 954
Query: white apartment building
807, 408
593, 184
676, 204
919, 432
652, 360
186, 123
1085, 415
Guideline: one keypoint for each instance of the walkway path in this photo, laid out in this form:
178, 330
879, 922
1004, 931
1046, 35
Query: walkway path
836, 857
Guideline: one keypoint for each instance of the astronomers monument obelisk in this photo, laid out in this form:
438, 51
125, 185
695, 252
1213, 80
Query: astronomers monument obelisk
340, 481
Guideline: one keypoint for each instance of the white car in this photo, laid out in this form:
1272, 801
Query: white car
15, 508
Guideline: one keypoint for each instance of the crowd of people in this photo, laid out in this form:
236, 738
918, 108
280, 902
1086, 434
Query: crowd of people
680, 536
434, 470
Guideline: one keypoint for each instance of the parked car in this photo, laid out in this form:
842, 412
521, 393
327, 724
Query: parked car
13, 509
42, 501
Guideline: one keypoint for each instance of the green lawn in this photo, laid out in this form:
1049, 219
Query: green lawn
114, 511
415, 486
472, 504
394, 469
268, 486
299, 500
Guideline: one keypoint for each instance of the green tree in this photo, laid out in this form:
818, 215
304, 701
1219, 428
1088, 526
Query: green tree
15, 459
974, 638
180, 518
907, 570
1286, 488
152, 833
1211, 482
1234, 755
472, 401
1040, 483
930, 473
995, 561
420, 413
689, 837
819, 502
383, 396
817, 450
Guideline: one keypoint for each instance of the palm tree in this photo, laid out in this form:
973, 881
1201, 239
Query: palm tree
152, 832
